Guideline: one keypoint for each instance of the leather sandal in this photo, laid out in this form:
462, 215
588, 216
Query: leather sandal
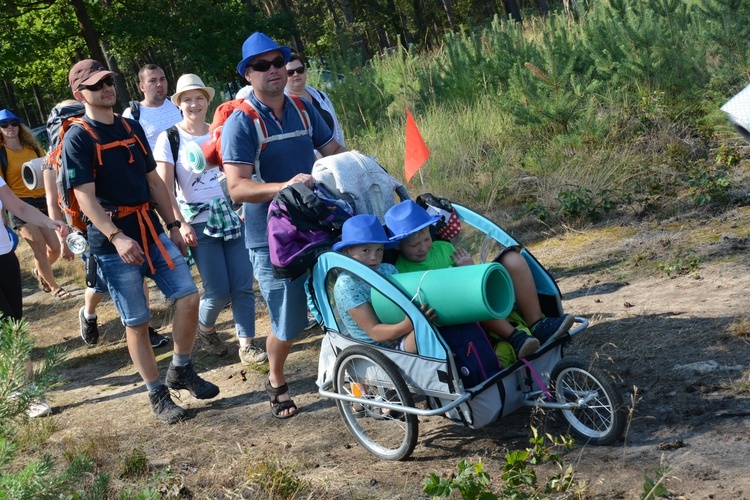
279, 406
42, 282
62, 294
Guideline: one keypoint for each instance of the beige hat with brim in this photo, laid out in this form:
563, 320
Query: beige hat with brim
190, 81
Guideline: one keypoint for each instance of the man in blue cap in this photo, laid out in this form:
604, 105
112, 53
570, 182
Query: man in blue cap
285, 160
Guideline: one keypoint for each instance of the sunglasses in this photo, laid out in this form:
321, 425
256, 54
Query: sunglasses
263, 66
13, 123
299, 71
109, 81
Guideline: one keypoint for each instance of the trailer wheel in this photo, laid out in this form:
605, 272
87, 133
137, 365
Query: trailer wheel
366, 373
601, 419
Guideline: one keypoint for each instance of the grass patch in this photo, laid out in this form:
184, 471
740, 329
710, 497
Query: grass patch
275, 479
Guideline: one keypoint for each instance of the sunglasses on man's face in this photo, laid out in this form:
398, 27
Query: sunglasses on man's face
299, 71
263, 66
13, 123
109, 81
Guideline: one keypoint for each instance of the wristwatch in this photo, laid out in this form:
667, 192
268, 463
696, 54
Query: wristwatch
176, 224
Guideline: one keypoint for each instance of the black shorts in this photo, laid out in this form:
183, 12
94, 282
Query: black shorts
39, 203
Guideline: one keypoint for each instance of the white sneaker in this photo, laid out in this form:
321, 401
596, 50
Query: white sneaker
39, 408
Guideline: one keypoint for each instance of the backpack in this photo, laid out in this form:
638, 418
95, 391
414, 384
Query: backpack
65, 195
302, 224
448, 227
212, 147
135, 110
473, 354
359, 180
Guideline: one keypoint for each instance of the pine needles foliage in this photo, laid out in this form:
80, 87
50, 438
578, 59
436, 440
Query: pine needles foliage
39, 479
614, 100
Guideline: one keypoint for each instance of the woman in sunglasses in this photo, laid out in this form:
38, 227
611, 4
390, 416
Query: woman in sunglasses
17, 146
297, 85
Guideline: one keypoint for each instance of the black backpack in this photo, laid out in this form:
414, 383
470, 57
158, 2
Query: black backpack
302, 224
135, 110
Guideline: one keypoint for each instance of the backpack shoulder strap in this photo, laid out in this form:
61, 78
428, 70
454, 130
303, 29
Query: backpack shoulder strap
135, 110
4, 162
260, 129
173, 135
302, 111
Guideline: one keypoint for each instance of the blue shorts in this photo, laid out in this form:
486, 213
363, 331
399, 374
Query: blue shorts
125, 281
285, 298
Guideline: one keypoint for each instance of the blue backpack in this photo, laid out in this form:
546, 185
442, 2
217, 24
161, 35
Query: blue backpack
473, 354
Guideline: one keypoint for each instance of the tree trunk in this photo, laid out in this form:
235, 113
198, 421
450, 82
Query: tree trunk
449, 14
335, 16
122, 91
357, 40
511, 8
90, 36
251, 10
543, 7
39, 104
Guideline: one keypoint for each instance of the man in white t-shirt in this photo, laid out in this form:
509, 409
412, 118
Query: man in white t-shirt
155, 112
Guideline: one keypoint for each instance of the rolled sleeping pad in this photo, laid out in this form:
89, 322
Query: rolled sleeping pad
195, 158
31, 173
458, 294
738, 111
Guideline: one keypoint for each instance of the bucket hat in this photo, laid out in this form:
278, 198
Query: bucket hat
7, 115
363, 229
258, 43
190, 81
407, 218
87, 72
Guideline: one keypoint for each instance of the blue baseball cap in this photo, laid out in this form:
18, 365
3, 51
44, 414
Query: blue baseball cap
259, 43
363, 229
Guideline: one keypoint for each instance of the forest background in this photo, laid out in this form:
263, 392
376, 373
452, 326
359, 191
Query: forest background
583, 108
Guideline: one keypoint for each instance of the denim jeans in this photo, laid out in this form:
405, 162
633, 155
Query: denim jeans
125, 281
226, 272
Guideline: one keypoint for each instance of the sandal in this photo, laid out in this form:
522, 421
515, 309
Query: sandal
279, 406
42, 282
62, 294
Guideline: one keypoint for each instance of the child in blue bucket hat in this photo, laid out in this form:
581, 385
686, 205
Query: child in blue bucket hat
363, 239
409, 224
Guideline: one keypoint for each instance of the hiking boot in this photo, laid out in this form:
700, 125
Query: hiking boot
549, 329
156, 339
251, 354
522, 344
184, 377
211, 343
164, 408
89, 328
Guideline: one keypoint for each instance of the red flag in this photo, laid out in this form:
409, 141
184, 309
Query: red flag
416, 150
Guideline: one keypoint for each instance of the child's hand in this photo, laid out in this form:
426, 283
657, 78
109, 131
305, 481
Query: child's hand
429, 312
461, 257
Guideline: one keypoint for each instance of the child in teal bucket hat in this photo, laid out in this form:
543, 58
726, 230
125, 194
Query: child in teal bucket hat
409, 224
363, 239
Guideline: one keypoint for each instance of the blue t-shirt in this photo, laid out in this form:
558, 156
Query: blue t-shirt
279, 161
351, 292
117, 181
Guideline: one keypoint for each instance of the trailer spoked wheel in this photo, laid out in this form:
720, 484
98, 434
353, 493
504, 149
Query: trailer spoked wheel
601, 415
366, 373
